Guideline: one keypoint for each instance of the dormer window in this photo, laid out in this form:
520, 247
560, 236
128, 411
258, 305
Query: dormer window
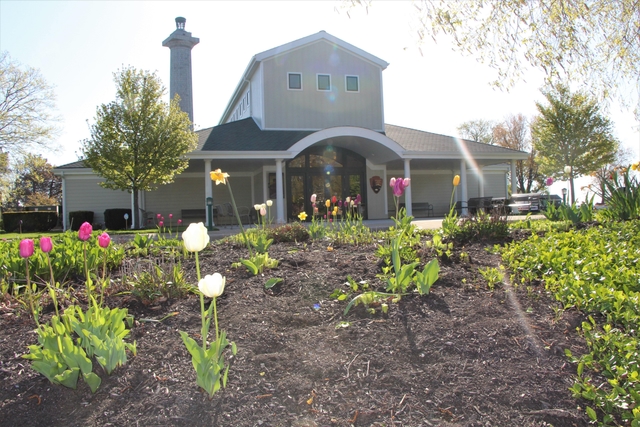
294, 81
352, 84
324, 82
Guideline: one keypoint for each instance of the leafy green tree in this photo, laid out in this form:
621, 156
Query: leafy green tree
571, 131
34, 183
138, 142
514, 133
477, 130
26, 106
591, 42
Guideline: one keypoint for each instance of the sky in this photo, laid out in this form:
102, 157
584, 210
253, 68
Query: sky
79, 45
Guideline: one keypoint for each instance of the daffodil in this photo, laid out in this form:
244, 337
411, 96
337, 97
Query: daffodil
635, 166
219, 177
302, 216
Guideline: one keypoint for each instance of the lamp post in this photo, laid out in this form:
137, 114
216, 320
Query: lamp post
209, 213
564, 196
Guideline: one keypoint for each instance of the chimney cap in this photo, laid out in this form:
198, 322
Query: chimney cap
180, 22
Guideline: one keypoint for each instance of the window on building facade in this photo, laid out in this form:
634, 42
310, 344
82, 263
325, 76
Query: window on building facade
324, 82
351, 83
295, 81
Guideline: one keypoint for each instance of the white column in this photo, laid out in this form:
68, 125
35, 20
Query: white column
208, 189
463, 187
279, 194
65, 214
480, 182
514, 182
407, 191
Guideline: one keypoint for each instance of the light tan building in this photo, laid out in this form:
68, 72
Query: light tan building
307, 118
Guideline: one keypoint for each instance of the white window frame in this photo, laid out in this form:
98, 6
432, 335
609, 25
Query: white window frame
289, 81
318, 82
346, 87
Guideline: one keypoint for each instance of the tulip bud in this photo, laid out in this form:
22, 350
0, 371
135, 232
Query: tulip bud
334, 200
104, 240
84, 233
195, 237
46, 244
170, 216
327, 203
212, 285
456, 180
263, 211
26, 248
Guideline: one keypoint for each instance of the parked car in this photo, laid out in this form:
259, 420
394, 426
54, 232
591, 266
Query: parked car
525, 203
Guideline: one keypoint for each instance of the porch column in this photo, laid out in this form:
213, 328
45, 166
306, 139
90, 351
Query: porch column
208, 190
65, 214
279, 195
407, 191
480, 182
463, 187
514, 182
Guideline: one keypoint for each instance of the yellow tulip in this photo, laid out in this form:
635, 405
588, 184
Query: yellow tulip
456, 180
327, 203
219, 177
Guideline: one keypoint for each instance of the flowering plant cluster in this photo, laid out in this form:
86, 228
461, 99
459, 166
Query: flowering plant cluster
100, 331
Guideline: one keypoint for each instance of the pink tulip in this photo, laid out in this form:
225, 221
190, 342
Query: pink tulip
407, 181
158, 216
398, 189
170, 216
179, 221
392, 182
161, 224
104, 240
46, 244
358, 199
85, 231
549, 181
26, 248
313, 198
263, 211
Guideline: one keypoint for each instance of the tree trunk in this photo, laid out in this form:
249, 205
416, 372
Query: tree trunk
135, 212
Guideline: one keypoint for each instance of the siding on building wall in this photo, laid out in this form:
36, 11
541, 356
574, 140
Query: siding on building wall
88, 195
436, 188
312, 109
184, 193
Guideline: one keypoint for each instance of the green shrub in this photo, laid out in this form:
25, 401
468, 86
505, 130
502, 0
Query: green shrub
77, 218
29, 221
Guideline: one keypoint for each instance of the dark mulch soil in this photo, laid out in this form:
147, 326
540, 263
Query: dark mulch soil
461, 356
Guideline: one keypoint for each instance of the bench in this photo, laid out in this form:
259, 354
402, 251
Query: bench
480, 203
193, 215
425, 207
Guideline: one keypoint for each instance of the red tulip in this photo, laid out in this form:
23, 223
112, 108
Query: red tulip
104, 240
85, 231
26, 248
46, 244
334, 200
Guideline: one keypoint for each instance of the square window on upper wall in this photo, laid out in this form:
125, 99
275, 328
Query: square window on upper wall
294, 81
352, 84
324, 82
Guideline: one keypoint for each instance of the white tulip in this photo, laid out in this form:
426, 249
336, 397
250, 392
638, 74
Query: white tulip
212, 285
257, 207
269, 203
195, 237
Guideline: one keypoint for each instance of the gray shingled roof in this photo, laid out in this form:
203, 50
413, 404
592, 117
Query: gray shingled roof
417, 140
245, 135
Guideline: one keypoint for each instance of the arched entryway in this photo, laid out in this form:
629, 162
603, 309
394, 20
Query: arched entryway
326, 171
